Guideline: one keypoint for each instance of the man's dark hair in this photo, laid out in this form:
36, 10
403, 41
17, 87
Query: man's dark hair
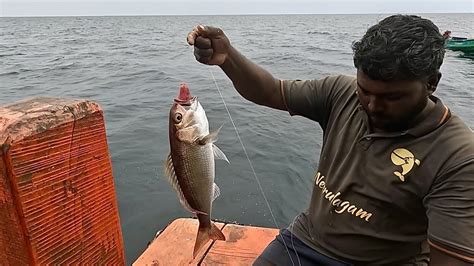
400, 47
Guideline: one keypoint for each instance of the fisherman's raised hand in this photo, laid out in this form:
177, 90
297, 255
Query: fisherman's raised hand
210, 44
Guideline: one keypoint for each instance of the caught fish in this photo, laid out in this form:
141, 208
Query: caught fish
190, 164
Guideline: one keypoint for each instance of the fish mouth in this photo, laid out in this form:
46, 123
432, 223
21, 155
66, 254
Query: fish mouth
184, 97
187, 102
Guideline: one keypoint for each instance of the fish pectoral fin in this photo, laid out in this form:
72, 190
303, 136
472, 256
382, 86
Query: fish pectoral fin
173, 179
209, 138
216, 192
218, 154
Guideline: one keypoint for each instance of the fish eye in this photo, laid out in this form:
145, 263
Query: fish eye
178, 117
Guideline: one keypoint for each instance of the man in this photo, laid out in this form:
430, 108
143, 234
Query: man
395, 181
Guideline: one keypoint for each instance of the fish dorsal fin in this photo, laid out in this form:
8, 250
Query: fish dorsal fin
216, 192
209, 138
218, 154
173, 179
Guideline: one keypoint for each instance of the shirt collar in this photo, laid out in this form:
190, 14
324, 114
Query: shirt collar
437, 116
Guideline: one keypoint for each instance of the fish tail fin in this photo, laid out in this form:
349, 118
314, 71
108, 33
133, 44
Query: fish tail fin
204, 235
216, 233
201, 239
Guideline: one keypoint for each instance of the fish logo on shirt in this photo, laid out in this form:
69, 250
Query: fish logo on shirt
405, 159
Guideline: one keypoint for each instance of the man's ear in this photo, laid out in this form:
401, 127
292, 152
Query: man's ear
433, 82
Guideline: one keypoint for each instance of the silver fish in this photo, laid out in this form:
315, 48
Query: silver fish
190, 164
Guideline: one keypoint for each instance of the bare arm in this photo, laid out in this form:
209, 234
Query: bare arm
439, 257
254, 83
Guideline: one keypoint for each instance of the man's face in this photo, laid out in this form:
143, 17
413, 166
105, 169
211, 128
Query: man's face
391, 105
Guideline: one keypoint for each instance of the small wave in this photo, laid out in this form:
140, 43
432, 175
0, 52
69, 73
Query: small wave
62, 67
23, 88
6, 55
9, 73
325, 50
87, 80
72, 40
67, 66
319, 32
26, 70
57, 59
251, 34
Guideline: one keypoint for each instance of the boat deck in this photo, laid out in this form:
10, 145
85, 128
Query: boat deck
174, 245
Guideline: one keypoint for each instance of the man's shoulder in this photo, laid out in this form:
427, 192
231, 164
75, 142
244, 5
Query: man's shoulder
341, 80
456, 131
339, 87
329, 81
455, 142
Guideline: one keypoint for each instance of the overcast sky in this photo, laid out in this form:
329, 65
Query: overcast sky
223, 7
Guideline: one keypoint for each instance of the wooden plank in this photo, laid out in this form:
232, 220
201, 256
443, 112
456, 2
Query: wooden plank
242, 246
174, 246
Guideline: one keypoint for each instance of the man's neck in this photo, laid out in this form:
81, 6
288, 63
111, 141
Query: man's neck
430, 105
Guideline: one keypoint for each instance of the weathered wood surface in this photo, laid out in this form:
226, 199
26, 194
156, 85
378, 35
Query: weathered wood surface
174, 246
57, 195
242, 246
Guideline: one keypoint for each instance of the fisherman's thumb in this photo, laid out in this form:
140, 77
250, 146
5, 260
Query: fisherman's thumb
209, 31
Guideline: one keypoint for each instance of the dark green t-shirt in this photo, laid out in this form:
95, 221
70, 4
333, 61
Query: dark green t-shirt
382, 197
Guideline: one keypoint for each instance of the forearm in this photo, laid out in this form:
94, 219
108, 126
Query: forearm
252, 81
440, 258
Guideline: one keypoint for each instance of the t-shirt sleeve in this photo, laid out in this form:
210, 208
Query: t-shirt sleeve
450, 211
314, 99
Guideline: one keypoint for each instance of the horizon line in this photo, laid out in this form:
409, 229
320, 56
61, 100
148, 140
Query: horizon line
242, 14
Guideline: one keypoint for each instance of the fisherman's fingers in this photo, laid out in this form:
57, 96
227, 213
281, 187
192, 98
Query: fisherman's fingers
205, 31
192, 35
210, 44
203, 55
202, 42
209, 31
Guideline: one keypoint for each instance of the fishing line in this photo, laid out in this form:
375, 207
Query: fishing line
292, 243
253, 170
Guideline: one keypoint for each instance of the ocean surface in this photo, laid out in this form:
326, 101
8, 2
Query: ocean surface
132, 66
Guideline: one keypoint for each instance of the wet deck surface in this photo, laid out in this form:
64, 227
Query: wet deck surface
174, 246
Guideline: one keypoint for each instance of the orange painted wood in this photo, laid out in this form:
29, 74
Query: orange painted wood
57, 195
174, 246
242, 246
